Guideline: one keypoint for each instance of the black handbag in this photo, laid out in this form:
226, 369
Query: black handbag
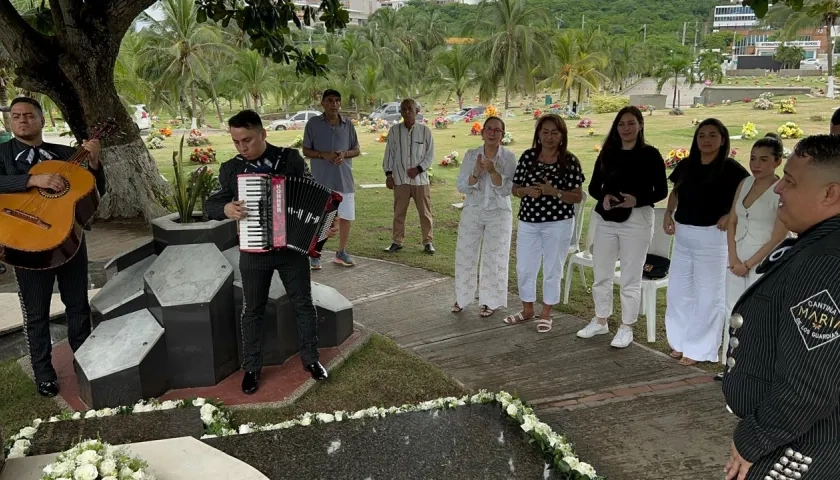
656, 267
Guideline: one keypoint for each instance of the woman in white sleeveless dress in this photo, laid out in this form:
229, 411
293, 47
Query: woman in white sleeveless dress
754, 227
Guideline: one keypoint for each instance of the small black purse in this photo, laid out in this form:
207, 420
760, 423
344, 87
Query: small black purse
656, 267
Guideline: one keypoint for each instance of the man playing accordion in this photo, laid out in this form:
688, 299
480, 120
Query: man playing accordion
256, 155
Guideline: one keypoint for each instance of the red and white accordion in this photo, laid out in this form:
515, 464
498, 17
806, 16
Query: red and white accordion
285, 212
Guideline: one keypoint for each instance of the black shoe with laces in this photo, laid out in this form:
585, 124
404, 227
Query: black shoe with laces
317, 370
48, 389
429, 248
394, 248
250, 382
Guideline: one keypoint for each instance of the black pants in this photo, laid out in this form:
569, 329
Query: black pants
257, 270
36, 288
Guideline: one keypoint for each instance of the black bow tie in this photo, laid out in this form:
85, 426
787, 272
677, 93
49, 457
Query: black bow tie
33, 155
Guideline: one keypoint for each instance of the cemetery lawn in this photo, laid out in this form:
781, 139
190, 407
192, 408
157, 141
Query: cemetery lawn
371, 231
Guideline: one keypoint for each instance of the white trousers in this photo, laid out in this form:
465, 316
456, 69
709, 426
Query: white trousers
735, 285
545, 243
627, 242
483, 239
696, 292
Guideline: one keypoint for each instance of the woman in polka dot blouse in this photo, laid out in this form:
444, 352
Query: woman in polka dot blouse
548, 179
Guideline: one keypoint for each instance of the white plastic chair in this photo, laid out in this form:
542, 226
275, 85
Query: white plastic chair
661, 245
581, 258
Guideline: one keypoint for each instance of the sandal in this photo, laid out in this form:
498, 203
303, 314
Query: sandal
544, 325
675, 354
516, 318
456, 308
486, 311
687, 362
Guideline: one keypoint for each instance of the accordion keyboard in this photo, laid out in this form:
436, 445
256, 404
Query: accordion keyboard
254, 233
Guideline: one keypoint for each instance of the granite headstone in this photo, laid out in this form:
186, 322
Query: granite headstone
335, 315
122, 294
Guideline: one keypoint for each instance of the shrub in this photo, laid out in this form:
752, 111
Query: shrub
609, 103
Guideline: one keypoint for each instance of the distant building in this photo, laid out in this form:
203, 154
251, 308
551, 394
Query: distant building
359, 10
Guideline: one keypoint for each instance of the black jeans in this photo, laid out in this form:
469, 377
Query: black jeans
36, 289
257, 270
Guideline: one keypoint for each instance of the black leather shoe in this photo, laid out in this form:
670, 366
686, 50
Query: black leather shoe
317, 370
48, 389
251, 382
394, 248
430, 249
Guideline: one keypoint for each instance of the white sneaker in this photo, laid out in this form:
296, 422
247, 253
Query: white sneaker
594, 328
623, 337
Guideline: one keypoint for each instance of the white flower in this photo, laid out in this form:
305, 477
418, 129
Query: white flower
325, 417
22, 444
53, 419
306, 420
208, 436
86, 472
357, 415
37, 422
207, 413
90, 414
199, 402
138, 475
511, 410
126, 472
88, 457
339, 416
245, 429
16, 452
28, 432
108, 468
542, 428
76, 415
586, 469
106, 412
168, 405
528, 422
110, 478
63, 468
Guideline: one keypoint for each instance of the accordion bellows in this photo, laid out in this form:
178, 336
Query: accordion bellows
285, 212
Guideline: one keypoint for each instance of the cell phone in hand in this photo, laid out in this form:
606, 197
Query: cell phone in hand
618, 200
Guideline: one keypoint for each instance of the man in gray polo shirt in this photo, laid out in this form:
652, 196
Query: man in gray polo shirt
329, 141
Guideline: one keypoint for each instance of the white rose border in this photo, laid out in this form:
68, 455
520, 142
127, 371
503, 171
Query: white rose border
216, 419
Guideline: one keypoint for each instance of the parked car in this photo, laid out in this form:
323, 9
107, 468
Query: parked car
141, 117
459, 116
296, 121
390, 112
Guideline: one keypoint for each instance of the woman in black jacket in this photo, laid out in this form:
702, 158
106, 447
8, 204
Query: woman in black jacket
628, 179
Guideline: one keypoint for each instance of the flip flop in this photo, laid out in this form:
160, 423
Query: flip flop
544, 325
486, 311
456, 308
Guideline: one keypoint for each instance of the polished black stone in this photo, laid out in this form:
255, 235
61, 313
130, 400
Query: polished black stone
335, 315
469, 442
129, 258
167, 231
120, 429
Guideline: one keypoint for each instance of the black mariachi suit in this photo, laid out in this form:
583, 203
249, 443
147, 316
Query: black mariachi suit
258, 268
783, 372
36, 286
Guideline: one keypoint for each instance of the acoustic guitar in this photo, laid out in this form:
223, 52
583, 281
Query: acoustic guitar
42, 228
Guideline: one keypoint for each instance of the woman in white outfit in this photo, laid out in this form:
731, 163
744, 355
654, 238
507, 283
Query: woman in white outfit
754, 227
486, 222
628, 179
698, 214
548, 179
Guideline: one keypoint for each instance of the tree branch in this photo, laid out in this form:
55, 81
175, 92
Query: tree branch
121, 13
61, 20
22, 42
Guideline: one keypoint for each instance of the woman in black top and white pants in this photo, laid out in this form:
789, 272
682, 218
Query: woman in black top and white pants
698, 212
548, 179
628, 179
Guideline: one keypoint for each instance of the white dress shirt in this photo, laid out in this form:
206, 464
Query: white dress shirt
408, 148
484, 194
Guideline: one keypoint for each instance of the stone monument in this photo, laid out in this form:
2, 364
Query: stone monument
168, 316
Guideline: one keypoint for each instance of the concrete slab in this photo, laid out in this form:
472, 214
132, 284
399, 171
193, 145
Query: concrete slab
11, 318
373, 185
679, 434
182, 458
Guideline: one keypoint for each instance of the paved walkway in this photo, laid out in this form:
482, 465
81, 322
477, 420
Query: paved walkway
632, 413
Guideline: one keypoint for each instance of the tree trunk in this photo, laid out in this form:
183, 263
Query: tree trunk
674, 102
4, 102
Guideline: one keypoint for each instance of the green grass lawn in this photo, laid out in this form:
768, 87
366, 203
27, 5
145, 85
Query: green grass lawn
372, 229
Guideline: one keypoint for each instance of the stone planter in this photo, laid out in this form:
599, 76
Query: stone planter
167, 231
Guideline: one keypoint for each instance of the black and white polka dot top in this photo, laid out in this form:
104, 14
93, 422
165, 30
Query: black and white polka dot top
530, 171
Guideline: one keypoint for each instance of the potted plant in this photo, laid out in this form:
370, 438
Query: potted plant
188, 224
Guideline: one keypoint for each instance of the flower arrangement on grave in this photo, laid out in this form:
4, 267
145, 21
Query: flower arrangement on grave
441, 122
450, 159
197, 139
491, 111
584, 123
155, 141
790, 130
596, 148
469, 117
507, 139
203, 156
748, 131
675, 156
165, 131
528, 109
591, 132
475, 129
297, 143
355, 122
537, 113
694, 122
733, 152
96, 460
788, 106
383, 137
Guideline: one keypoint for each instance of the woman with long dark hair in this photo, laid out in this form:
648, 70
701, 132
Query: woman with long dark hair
754, 227
486, 222
698, 214
548, 179
628, 179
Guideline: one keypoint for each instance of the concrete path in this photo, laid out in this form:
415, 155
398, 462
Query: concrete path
632, 413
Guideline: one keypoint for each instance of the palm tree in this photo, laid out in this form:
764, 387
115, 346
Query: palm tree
576, 65
674, 68
514, 47
821, 14
454, 72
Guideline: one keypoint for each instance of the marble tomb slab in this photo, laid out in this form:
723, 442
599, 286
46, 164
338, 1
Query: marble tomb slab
122, 294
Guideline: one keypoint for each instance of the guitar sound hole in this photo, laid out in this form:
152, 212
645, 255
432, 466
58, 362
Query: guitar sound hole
50, 193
